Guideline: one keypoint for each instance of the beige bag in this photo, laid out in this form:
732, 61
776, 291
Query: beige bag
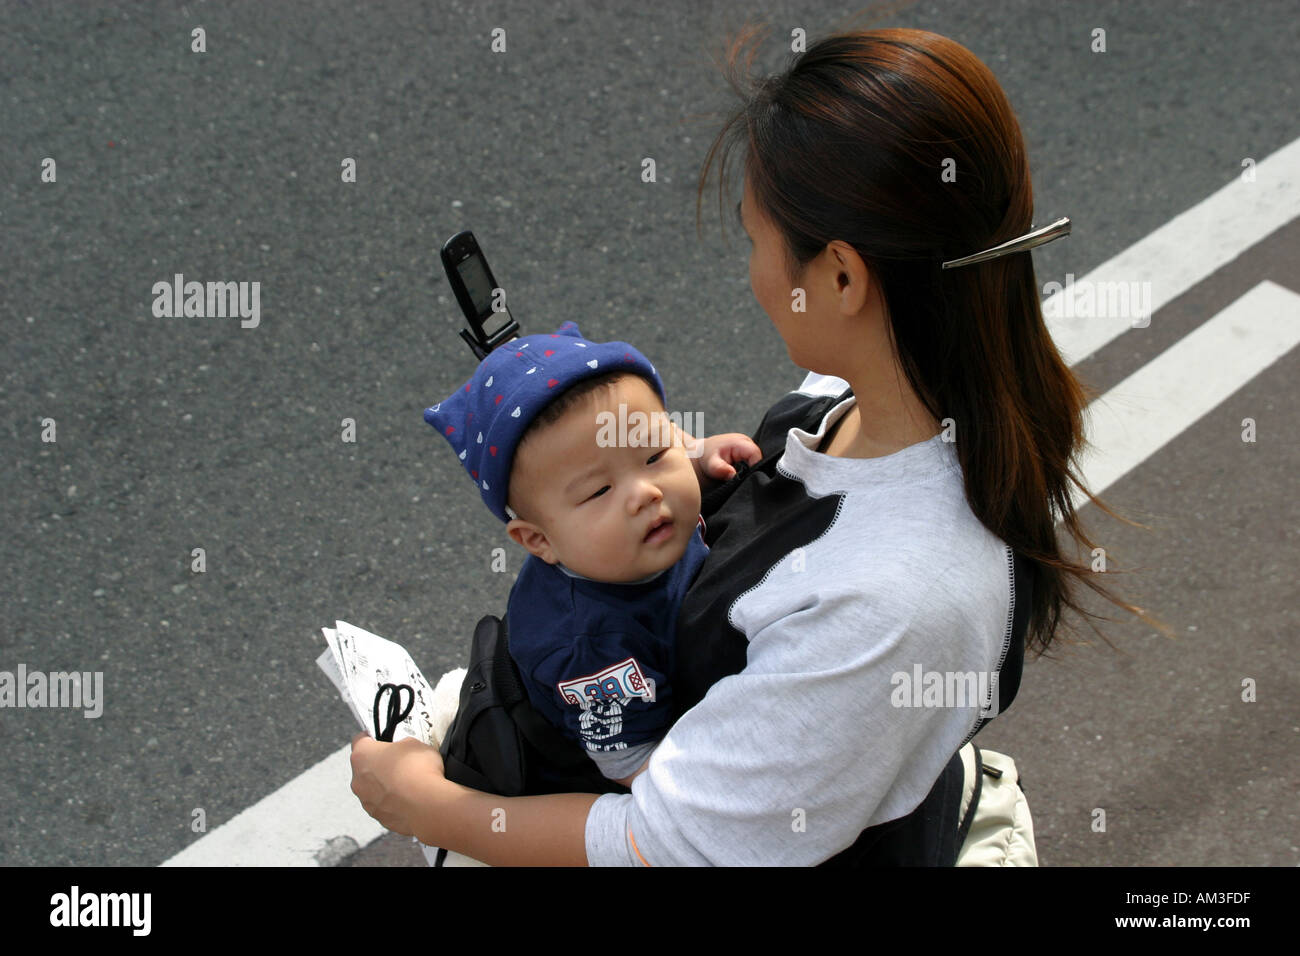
1001, 832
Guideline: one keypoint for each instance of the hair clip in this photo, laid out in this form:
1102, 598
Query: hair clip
1024, 243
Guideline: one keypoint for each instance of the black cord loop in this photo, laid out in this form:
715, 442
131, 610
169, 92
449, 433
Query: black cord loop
396, 713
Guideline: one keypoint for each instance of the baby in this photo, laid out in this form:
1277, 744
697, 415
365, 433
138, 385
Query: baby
569, 443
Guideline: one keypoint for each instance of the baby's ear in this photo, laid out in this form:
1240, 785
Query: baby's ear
531, 538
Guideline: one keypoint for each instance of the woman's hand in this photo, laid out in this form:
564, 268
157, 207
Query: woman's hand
718, 453
396, 783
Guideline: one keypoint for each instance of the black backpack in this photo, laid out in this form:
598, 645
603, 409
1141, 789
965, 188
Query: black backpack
499, 743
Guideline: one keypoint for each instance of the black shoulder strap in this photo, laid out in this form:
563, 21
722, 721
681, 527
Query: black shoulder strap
964, 830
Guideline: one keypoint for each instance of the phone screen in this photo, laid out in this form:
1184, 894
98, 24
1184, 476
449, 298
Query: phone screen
479, 287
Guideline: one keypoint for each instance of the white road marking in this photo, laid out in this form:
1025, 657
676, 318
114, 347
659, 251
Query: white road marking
1151, 407
289, 827
1182, 252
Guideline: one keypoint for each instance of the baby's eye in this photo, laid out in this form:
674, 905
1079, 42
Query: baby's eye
599, 493
655, 457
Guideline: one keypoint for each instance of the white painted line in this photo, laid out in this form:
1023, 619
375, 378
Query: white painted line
1155, 404
1180, 253
289, 827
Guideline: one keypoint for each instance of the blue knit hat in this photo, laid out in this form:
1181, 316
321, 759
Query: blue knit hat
484, 419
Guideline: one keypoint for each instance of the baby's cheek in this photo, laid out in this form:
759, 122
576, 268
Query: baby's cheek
690, 485
606, 537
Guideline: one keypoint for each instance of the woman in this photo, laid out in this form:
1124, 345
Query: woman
873, 544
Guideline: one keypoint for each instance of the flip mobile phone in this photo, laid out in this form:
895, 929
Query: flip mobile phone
472, 280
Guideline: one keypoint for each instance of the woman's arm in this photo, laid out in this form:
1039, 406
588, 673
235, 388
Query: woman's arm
509, 831
502, 831
402, 785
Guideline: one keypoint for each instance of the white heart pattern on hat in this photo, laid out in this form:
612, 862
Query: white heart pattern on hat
515, 413
488, 383
462, 454
531, 370
485, 487
592, 364
480, 438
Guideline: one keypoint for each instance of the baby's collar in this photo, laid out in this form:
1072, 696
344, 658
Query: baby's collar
572, 574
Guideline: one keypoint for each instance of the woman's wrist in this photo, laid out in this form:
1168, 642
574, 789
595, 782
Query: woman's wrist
431, 801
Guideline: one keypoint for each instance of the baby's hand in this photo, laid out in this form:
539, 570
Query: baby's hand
718, 453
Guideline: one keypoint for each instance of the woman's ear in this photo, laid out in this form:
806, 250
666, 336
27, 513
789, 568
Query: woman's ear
855, 294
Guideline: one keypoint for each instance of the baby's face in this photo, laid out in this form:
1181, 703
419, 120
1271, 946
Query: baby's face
591, 507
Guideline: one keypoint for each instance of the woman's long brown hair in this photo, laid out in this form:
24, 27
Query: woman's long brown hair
852, 142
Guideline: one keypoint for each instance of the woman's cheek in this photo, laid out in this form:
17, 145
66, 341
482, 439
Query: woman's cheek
762, 279
761, 294
754, 285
